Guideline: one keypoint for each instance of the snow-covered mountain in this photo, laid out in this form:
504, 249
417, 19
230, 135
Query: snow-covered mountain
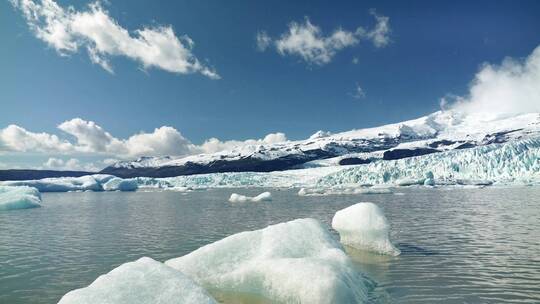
437, 132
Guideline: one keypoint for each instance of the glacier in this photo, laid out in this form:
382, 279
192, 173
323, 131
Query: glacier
238, 198
292, 262
510, 163
363, 226
435, 133
142, 281
24, 197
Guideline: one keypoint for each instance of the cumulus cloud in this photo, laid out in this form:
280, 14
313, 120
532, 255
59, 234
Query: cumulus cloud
308, 41
68, 31
511, 88
213, 145
15, 138
90, 138
71, 164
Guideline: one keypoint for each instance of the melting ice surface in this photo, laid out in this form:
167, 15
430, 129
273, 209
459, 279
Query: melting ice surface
363, 226
19, 198
238, 198
293, 262
140, 282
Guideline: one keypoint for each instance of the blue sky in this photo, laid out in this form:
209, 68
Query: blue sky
433, 48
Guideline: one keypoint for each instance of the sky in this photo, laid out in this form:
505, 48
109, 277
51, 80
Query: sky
83, 83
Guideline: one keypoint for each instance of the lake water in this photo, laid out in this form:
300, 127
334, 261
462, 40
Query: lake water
458, 245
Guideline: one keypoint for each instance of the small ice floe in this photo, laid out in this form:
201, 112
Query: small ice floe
140, 282
293, 262
408, 182
364, 226
311, 191
21, 197
343, 191
238, 198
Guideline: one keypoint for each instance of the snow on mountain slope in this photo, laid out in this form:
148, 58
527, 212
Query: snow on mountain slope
440, 131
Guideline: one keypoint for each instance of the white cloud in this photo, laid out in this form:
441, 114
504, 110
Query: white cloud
215, 145
71, 164
510, 88
110, 161
263, 40
90, 138
358, 92
15, 138
68, 30
380, 34
307, 40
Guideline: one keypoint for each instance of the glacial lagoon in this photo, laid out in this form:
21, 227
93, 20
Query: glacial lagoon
458, 244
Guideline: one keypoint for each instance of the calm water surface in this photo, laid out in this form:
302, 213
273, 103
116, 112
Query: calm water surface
458, 245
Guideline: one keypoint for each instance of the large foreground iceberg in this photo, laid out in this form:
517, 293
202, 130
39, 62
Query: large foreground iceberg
19, 198
141, 282
292, 262
364, 226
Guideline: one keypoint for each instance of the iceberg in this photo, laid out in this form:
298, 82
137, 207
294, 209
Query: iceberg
120, 184
364, 226
63, 184
238, 198
95, 182
143, 281
292, 262
23, 197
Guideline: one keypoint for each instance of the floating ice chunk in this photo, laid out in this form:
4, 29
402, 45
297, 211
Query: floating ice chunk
22, 197
143, 281
343, 191
364, 226
292, 262
472, 182
429, 182
373, 190
64, 184
238, 198
409, 182
120, 184
311, 191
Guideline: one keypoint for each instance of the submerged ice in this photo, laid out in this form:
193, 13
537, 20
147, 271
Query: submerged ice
12, 198
142, 281
292, 262
364, 226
